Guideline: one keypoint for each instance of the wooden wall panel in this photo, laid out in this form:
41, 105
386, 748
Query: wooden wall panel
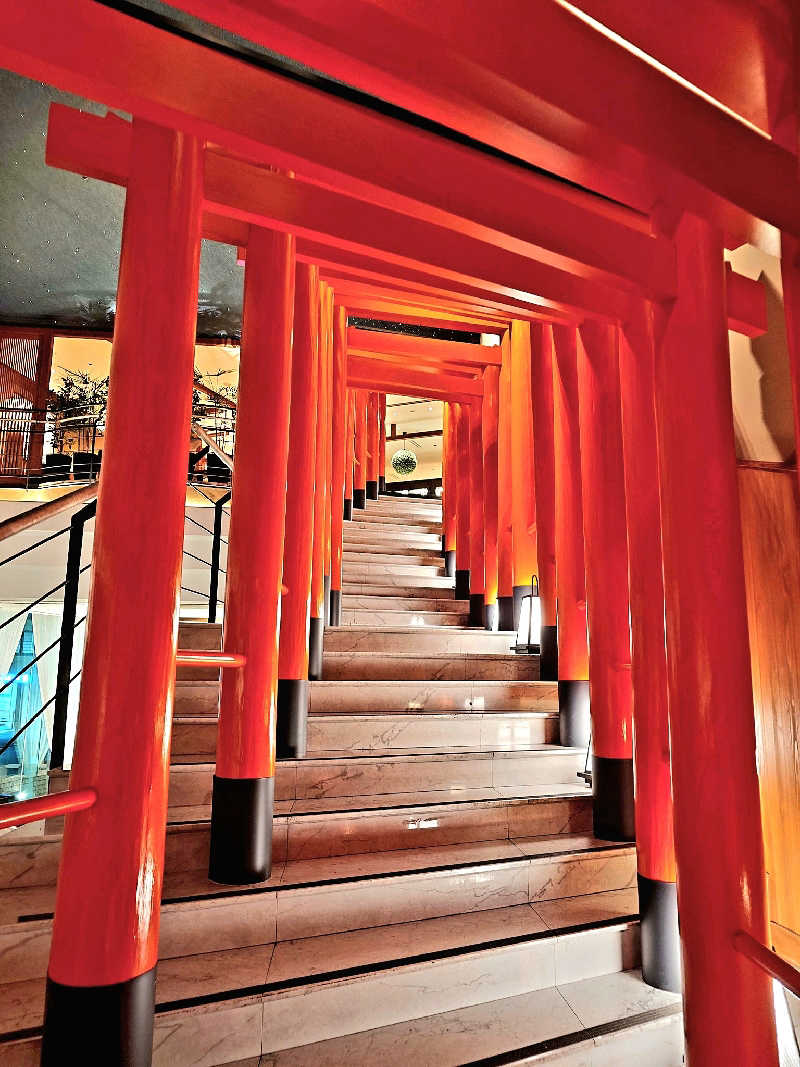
771, 537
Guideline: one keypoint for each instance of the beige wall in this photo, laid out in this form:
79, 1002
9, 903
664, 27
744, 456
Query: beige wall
760, 382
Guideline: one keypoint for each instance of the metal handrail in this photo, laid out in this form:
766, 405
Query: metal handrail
207, 439
18, 523
768, 960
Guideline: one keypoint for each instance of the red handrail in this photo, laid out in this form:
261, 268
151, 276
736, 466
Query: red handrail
768, 960
188, 658
23, 811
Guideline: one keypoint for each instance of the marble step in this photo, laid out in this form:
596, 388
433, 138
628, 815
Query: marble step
411, 666
457, 697
422, 523
371, 565
515, 946
383, 537
405, 604
420, 639
542, 1026
409, 617
202, 697
391, 528
382, 584
368, 553
194, 738
313, 829
317, 897
402, 780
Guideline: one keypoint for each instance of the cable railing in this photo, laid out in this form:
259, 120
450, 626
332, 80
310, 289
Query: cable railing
34, 689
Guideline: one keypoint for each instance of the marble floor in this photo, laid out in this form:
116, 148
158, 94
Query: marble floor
209, 973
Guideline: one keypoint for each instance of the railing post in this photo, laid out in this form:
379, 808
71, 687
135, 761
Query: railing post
73, 577
216, 544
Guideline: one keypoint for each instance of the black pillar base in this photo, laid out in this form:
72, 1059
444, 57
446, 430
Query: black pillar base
241, 830
336, 607
612, 798
548, 663
661, 947
505, 607
476, 609
372, 490
519, 593
291, 718
316, 631
326, 597
450, 563
462, 585
491, 616
359, 499
99, 1024
381, 484
574, 720
347, 514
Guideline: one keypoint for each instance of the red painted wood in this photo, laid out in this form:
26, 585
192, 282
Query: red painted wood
360, 471
544, 473
463, 553
373, 437
489, 428
412, 348
523, 499
321, 480
655, 847
326, 341
718, 839
476, 519
450, 473
300, 478
246, 734
24, 811
339, 439
505, 561
123, 739
350, 445
605, 541
573, 651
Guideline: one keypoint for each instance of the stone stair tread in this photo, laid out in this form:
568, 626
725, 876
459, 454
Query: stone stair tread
398, 628
534, 1022
425, 802
366, 866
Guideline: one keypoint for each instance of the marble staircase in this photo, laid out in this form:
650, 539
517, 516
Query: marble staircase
436, 893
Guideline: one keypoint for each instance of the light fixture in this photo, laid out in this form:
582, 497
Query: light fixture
529, 629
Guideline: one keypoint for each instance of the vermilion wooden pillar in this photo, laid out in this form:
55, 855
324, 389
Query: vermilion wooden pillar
350, 449
382, 450
790, 276
523, 498
489, 421
326, 340
505, 562
101, 974
463, 554
241, 804
573, 651
339, 455
360, 469
606, 552
728, 1011
450, 489
476, 539
545, 481
299, 526
321, 492
373, 445
658, 901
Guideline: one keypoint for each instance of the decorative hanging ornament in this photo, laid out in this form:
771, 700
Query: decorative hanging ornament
404, 462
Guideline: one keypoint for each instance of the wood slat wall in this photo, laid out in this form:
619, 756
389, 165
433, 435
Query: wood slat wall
771, 538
